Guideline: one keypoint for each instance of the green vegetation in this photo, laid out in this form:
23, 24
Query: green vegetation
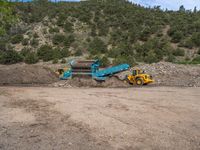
31, 58
7, 17
10, 57
113, 30
97, 46
16, 39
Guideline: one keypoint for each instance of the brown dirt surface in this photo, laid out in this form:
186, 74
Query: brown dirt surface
111, 82
99, 118
26, 74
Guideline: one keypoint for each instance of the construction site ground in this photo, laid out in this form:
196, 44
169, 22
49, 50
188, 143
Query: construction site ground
38, 111
99, 118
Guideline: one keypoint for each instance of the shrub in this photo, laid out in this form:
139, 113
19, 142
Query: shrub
188, 44
25, 51
16, 39
35, 35
45, 53
170, 58
196, 60
78, 52
179, 52
3, 45
54, 30
124, 59
10, 57
104, 61
68, 27
31, 58
97, 46
58, 39
25, 42
177, 36
64, 52
56, 53
151, 57
55, 61
63, 61
198, 51
196, 39
34, 42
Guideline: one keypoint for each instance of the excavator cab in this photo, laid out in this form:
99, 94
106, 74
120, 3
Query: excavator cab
139, 77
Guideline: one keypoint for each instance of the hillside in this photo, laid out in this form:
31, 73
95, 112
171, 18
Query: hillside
115, 31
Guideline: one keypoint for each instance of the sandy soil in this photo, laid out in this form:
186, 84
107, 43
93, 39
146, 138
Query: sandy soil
99, 118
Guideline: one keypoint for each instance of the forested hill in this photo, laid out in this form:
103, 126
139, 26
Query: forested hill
113, 30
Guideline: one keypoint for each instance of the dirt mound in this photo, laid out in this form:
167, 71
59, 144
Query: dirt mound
26, 74
169, 74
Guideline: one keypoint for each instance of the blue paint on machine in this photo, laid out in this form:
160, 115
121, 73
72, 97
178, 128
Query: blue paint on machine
91, 68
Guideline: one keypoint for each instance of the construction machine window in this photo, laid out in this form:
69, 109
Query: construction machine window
134, 72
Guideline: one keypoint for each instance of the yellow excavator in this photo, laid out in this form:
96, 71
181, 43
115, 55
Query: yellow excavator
139, 77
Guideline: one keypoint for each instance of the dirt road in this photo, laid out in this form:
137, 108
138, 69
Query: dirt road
99, 118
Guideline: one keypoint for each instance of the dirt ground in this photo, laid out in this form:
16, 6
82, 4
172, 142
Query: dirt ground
99, 118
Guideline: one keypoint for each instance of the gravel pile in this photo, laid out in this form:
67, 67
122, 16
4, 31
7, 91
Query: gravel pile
168, 74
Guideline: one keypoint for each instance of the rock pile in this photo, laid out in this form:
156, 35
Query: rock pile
168, 74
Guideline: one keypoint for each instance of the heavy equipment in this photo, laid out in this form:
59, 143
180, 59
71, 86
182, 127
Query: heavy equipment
91, 68
139, 77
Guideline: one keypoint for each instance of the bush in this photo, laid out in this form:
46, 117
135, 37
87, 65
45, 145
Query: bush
196, 39
25, 51
97, 46
198, 51
188, 44
124, 59
78, 52
10, 57
58, 39
196, 60
68, 27
65, 52
170, 58
16, 39
25, 42
179, 52
34, 42
35, 35
56, 53
31, 58
55, 61
63, 61
177, 36
3, 45
45, 53
104, 61
151, 57
54, 30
